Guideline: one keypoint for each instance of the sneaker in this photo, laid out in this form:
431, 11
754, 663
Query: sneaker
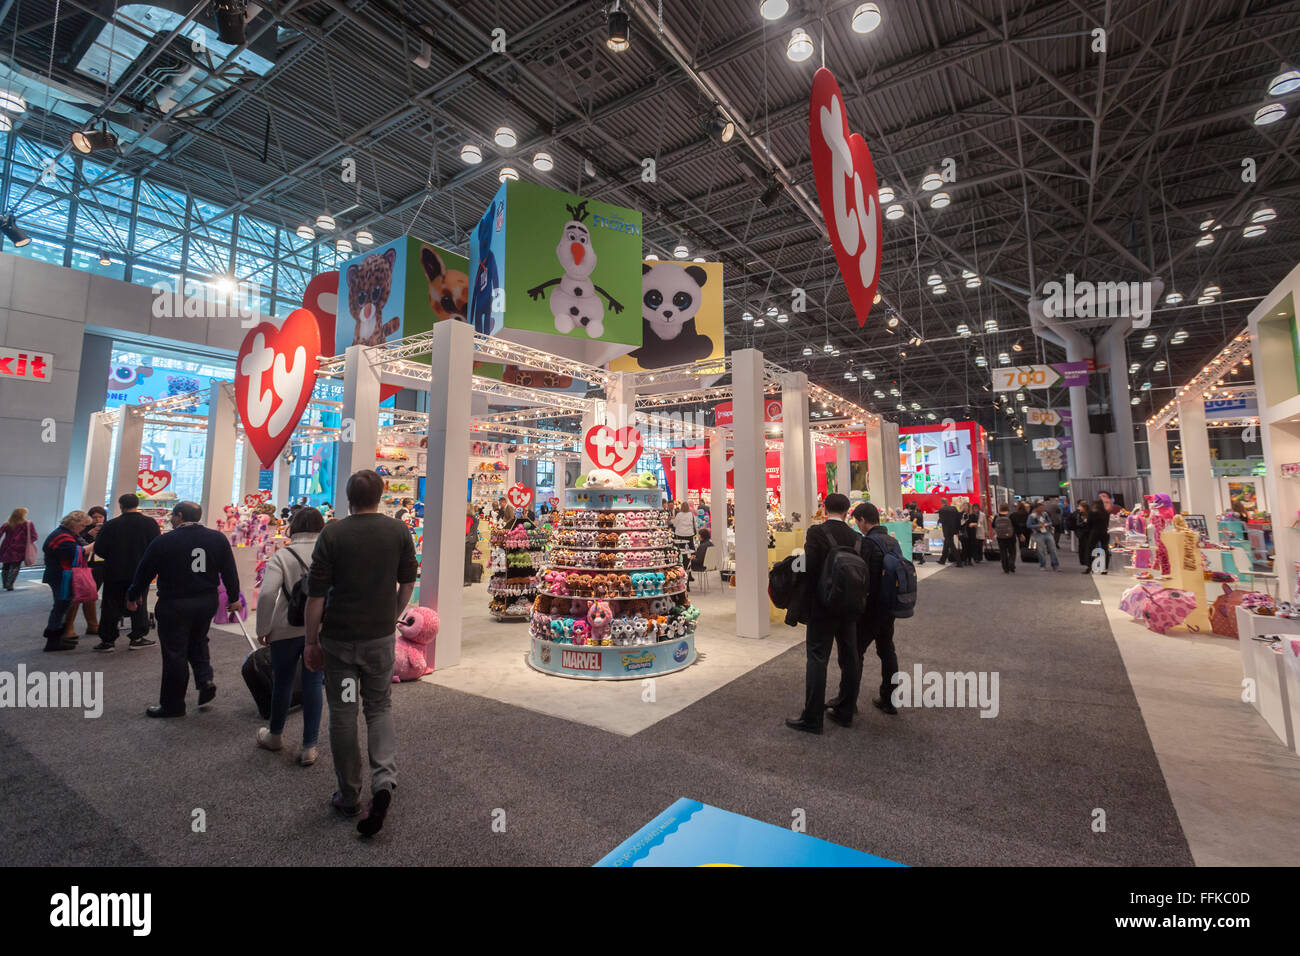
307, 757
267, 740
104, 647
138, 642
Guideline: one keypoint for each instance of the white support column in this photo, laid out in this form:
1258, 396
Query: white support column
718, 485
130, 433
442, 571
893, 465
1195, 439
614, 412
750, 484
843, 468
797, 471
250, 471
219, 457
360, 421
877, 487
681, 475
99, 446
280, 487
1158, 450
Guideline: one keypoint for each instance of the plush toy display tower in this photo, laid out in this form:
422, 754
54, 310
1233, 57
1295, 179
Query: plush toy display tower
613, 603
515, 556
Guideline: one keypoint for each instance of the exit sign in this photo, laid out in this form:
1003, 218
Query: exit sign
26, 365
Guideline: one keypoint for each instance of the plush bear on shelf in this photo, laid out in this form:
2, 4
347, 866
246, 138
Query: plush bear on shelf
416, 632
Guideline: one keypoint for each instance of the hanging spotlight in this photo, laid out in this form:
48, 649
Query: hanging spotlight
895, 211
719, 127
773, 9
981, 361
697, 259
507, 172
807, 350
963, 330
1004, 358
771, 193
94, 140
1134, 367
866, 18
893, 322
782, 319
231, 16
543, 162
875, 299
933, 279
1269, 113
1173, 298
931, 181
617, 40
828, 348
12, 102
680, 251
1017, 347
471, 154
939, 200
104, 258
325, 222
1288, 81
747, 317
799, 47
760, 322
885, 194
364, 238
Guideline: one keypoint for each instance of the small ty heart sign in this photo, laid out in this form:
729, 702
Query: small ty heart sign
152, 482
553, 501
616, 450
520, 495
255, 498
274, 378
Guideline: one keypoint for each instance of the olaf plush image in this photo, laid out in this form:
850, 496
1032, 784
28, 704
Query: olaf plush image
576, 303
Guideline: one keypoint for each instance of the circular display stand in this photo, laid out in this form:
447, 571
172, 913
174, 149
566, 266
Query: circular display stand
615, 499
592, 662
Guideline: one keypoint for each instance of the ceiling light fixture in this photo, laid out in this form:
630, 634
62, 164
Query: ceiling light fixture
617, 41
807, 350
1251, 231
885, 194
543, 162
933, 278
939, 289
895, 211
866, 18
364, 238
1173, 298
799, 47
12, 102
974, 282
893, 322
680, 251
305, 231
1263, 214
1017, 347
1211, 290
231, 15
343, 247
507, 172
1205, 240
1288, 81
104, 258
505, 137
747, 317
471, 154
931, 181
939, 200
773, 9
1269, 114
719, 127
325, 222
94, 140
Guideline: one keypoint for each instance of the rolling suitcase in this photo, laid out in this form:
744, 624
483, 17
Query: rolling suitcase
258, 675
1028, 553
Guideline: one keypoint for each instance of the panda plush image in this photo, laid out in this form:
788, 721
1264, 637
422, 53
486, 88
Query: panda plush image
670, 297
576, 303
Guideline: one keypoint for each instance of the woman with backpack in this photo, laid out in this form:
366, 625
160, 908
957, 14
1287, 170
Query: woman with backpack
17, 545
1005, 532
280, 592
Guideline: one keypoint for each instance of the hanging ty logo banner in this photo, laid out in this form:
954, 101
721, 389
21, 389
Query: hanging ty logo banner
846, 188
274, 378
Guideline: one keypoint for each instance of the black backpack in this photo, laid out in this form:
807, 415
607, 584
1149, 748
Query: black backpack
297, 598
842, 589
783, 583
897, 580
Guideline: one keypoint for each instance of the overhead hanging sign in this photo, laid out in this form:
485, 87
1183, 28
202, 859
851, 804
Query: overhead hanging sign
1073, 373
152, 482
1046, 444
846, 188
520, 495
1024, 376
274, 378
616, 450
1042, 416
1245, 407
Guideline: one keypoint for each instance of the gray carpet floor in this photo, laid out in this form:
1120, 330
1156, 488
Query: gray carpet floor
929, 787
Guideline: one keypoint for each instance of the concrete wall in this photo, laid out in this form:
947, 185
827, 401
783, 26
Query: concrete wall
49, 308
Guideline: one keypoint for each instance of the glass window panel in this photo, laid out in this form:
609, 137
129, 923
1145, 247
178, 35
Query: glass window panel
96, 226
207, 258
46, 213
291, 283
41, 249
250, 267
108, 182
88, 261
162, 205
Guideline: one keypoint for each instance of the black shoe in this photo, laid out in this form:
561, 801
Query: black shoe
374, 820
883, 705
835, 718
803, 725
343, 809
105, 647
59, 644
138, 642
156, 710
206, 693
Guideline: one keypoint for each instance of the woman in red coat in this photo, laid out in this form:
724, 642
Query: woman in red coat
15, 536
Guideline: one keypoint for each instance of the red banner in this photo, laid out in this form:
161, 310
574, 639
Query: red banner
274, 377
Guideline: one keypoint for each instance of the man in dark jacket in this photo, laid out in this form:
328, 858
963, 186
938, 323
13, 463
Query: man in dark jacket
950, 524
187, 563
825, 627
121, 544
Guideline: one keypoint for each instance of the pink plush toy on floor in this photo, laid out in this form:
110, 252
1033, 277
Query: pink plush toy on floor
1162, 512
416, 633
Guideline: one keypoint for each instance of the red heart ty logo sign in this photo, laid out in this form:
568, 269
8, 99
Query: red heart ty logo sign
274, 378
616, 450
846, 188
152, 482
520, 495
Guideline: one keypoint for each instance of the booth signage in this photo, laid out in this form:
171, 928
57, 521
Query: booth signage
152, 482
255, 498
1291, 469
1245, 407
1074, 373
25, 364
1046, 444
1024, 376
847, 188
1042, 416
274, 377
519, 495
616, 450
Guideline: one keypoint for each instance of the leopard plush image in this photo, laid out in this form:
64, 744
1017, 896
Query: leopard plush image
370, 282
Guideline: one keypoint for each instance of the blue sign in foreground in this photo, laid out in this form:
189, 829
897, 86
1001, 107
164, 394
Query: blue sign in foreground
690, 833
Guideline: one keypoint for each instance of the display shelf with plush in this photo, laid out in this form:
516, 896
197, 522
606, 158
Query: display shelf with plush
612, 602
516, 555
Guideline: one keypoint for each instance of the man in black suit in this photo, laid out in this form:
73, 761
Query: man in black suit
875, 625
121, 544
950, 523
825, 627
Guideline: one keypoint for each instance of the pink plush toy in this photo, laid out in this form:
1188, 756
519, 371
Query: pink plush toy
223, 616
599, 617
416, 633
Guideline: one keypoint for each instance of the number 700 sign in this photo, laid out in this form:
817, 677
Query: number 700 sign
1024, 376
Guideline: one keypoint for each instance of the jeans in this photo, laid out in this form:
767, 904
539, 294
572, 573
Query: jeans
1007, 552
367, 666
10, 575
113, 609
58, 614
183, 636
820, 636
1046, 545
285, 657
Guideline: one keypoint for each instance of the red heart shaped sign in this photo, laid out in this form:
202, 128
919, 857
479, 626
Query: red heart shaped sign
151, 482
274, 378
255, 498
847, 190
520, 495
616, 450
